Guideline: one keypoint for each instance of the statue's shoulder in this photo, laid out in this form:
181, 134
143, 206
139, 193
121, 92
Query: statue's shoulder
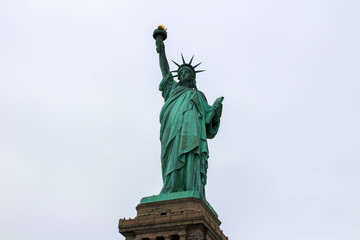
202, 95
167, 81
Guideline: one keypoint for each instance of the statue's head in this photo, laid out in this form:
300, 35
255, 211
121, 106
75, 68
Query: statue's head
187, 73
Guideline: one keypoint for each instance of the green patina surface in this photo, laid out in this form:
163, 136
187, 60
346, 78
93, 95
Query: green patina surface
187, 122
175, 195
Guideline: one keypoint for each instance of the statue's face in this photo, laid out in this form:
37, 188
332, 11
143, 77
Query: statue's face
186, 75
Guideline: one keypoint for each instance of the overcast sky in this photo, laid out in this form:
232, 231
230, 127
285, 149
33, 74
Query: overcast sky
79, 114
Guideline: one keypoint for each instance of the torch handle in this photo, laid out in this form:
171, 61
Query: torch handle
159, 41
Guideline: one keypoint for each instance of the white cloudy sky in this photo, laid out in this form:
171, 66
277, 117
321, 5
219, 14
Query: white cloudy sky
79, 107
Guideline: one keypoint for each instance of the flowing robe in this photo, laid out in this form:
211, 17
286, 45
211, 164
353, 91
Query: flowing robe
185, 126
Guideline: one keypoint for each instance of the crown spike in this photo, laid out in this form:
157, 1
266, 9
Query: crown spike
200, 71
191, 59
183, 58
197, 65
175, 63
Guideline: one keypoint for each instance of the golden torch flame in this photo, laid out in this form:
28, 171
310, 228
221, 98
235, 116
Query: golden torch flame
162, 27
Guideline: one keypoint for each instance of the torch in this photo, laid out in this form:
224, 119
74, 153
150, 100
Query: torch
160, 34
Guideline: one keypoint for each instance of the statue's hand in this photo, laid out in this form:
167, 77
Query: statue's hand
159, 44
217, 108
218, 111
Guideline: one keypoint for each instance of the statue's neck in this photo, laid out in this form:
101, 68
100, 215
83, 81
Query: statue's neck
189, 84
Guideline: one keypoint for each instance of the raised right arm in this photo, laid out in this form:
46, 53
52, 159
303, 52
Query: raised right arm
160, 48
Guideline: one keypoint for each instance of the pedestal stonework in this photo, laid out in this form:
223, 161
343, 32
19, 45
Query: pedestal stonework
177, 219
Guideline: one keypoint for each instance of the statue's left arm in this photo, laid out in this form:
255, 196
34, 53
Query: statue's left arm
213, 118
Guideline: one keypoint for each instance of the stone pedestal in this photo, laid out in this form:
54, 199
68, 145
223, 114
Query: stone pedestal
176, 219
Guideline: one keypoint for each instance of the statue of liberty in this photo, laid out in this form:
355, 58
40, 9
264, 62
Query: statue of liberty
187, 121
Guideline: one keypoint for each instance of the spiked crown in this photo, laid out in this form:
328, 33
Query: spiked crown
188, 65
